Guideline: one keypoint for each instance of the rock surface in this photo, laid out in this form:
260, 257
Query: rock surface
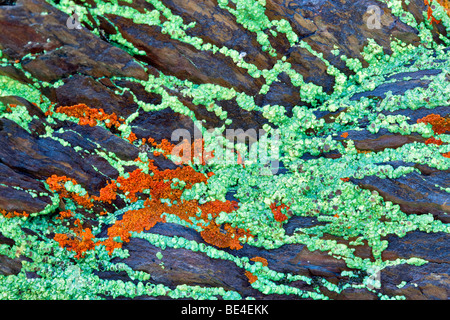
87, 65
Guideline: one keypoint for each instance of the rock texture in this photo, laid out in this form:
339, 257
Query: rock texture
86, 66
81, 59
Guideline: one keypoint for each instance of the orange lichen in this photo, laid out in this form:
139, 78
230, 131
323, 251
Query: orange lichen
49, 111
226, 237
90, 116
260, 259
144, 219
344, 135
13, 214
188, 152
159, 184
137, 220
443, 3
240, 159
185, 173
132, 137
165, 145
9, 106
345, 179
439, 124
446, 155
433, 140
108, 193
64, 215
80, 243
57, 184
137, 181
276, 210
251, 277
214, 208
222, 236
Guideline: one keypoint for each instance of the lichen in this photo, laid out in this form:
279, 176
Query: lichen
194, 195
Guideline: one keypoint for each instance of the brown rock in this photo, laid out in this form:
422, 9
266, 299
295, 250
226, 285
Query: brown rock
414, 193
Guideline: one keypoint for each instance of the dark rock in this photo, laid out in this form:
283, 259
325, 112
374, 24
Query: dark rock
42, 157
7, 2
413, 192
301, 222
420, 113
430, 281
402, 87
13, 199
391, 141
150, 125
94, 94
84, 61
433, 247
9, 266
366, 141
414, 75
183, 266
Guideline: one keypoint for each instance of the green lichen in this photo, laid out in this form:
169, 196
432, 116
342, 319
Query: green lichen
313, 188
